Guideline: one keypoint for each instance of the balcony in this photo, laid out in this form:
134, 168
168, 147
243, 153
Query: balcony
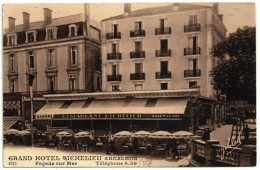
163, 53
137, 33
161, 75
113, 35
114, 56
137, 54
192, 73
163, 31
116, 77
192, 28
192, 51
137, 76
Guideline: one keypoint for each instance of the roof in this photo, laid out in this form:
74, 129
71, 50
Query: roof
159, 10
56, 22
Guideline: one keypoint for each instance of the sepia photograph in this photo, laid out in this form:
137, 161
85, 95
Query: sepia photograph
151, 84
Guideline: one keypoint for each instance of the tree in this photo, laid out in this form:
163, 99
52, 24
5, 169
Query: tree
235, 74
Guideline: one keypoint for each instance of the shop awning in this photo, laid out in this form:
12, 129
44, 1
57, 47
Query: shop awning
120, 107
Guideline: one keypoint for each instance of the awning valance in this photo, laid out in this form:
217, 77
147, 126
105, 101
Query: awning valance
114, 108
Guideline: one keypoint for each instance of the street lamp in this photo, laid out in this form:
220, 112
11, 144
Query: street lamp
31, 78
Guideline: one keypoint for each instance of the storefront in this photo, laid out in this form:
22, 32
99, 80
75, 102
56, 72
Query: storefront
132, 111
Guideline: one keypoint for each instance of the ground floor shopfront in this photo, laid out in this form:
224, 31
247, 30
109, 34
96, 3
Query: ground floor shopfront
169, 110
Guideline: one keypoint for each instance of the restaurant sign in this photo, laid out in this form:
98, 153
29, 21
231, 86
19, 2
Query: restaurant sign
109, 116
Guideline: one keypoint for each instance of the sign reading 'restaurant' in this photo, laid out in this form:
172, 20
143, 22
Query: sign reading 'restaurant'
108, 116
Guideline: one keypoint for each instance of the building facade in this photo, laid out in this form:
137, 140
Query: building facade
64, 55
161, 48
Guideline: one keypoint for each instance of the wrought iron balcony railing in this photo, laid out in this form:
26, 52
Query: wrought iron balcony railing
137, 33
192, 51
192, 28
113, 35
162, 75
116, 77
114, 56
192, 73
137, 54
163, 53
137, 76
162, 31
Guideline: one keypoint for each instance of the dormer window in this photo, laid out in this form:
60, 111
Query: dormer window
72, 30
51, 33
30, 37
11, 39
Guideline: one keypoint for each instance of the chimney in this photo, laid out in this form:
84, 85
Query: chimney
87, 19
215, 6
127, 8
11, 21
47, 16
175, 6
26, 20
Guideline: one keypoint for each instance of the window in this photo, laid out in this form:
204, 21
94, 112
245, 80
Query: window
193, 64
12, 86
115, 88
72, 31
164, 45
164, 86
163, 23
192, 84
30, 37
31, 60
138, 87
51, 58
73, 82
50, 34
114, 69
138, 26
51, 84
164, 67
115, 29
138, 46
192, 19
73, 55
138, 67
114, 48
11, 62
11, 40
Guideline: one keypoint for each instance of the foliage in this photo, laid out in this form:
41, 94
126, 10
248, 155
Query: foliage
235, 74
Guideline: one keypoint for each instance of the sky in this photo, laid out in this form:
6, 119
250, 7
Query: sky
235, 14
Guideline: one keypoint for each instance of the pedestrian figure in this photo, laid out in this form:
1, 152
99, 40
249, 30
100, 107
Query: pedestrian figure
112, 146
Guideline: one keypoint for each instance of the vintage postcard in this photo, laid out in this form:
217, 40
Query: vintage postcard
129, 84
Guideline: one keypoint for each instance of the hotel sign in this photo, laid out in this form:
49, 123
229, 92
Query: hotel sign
109, 116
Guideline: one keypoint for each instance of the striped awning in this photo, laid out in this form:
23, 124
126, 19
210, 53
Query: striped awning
155, 107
